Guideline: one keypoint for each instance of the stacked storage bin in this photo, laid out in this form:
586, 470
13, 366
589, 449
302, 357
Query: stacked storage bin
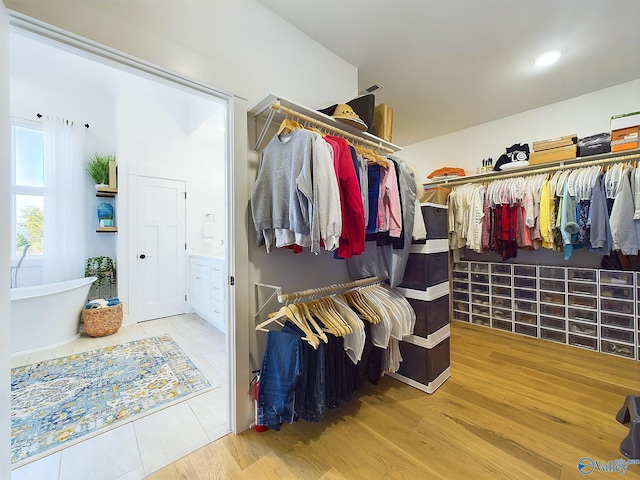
425, 354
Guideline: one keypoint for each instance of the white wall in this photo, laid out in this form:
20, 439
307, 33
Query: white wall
585, 115
237, 46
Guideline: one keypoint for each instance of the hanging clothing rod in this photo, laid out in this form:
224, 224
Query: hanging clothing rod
330, 290
354, 138
538, 169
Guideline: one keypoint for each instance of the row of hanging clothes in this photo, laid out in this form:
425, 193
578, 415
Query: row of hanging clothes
319, 191
319, 351
595, 207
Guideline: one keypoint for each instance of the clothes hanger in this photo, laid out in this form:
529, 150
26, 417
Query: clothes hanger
302, 323
363, 307
286, 312
287, 125
371, 155
340, 323
304, 310
346, 326
317, 308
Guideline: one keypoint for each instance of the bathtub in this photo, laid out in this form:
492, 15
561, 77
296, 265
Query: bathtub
46, 316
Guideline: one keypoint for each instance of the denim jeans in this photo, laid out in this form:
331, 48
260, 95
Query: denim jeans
281, 369
310, 391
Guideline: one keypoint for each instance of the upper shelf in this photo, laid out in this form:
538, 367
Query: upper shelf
578, 162
274, 107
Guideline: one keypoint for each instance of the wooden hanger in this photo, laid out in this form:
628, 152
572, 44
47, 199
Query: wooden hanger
354, 299
333, 327
307, 314
288, 126
341, 321
371, 155
286, 312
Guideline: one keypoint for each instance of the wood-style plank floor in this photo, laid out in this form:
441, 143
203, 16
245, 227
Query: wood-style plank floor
514, 408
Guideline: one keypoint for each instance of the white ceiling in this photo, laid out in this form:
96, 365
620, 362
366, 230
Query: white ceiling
41, 62
446, 65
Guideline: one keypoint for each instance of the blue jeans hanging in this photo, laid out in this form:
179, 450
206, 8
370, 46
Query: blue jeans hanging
281, 367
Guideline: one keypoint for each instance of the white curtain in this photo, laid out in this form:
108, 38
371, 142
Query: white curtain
64, 226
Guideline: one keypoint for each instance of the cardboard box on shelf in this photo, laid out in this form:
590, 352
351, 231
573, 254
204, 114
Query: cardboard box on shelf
625, 120
625, 139
553, 154
554, 143
435, 194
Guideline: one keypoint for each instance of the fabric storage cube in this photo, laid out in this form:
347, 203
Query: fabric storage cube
423, 271
422, 364
431, 315
435, 219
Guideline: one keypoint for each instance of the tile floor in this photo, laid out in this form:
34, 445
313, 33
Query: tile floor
138, 448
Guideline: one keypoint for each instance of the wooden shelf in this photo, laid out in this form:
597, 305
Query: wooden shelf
106, 229
106, 192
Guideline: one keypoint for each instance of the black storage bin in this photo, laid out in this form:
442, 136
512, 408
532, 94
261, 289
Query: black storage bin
430, 315
425, 270
423, 364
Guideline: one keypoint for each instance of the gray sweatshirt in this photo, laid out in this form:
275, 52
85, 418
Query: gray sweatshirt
282, 195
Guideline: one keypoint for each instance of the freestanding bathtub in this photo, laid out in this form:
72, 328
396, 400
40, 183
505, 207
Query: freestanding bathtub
46, 316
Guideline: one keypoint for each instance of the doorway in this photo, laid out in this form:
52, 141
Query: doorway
168, 163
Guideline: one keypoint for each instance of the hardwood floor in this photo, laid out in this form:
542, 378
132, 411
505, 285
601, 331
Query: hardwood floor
514, 408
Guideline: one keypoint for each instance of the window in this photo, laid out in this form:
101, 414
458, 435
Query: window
28, 189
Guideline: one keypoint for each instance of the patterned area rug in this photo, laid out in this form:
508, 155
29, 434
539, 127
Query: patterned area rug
59, 402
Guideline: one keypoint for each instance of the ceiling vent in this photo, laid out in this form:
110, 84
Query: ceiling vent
371, 89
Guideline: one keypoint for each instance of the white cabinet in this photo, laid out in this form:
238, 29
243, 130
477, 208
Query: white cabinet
206, 289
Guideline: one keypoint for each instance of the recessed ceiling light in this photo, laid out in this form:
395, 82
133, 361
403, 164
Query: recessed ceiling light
547, 59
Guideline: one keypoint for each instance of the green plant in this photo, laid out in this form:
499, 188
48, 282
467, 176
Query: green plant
98, 167
104, 268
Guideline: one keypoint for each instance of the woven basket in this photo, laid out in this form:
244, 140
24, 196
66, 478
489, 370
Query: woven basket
99, 322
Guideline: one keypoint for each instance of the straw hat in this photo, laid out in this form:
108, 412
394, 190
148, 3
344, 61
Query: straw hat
345, 113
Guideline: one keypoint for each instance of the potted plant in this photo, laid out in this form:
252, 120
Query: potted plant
98, 168
103, 268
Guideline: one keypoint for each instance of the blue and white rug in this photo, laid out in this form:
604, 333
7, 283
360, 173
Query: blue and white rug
59, 402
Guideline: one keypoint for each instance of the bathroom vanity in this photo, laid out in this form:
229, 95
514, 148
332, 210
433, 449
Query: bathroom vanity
206, 289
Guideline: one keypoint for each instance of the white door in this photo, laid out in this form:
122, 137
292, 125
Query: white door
161, 248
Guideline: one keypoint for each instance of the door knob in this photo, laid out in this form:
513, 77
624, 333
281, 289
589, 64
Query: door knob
142, 255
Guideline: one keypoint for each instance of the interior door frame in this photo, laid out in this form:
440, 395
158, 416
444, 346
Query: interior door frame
238, 413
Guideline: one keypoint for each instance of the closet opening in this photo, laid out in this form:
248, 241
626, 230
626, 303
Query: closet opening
172, 138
